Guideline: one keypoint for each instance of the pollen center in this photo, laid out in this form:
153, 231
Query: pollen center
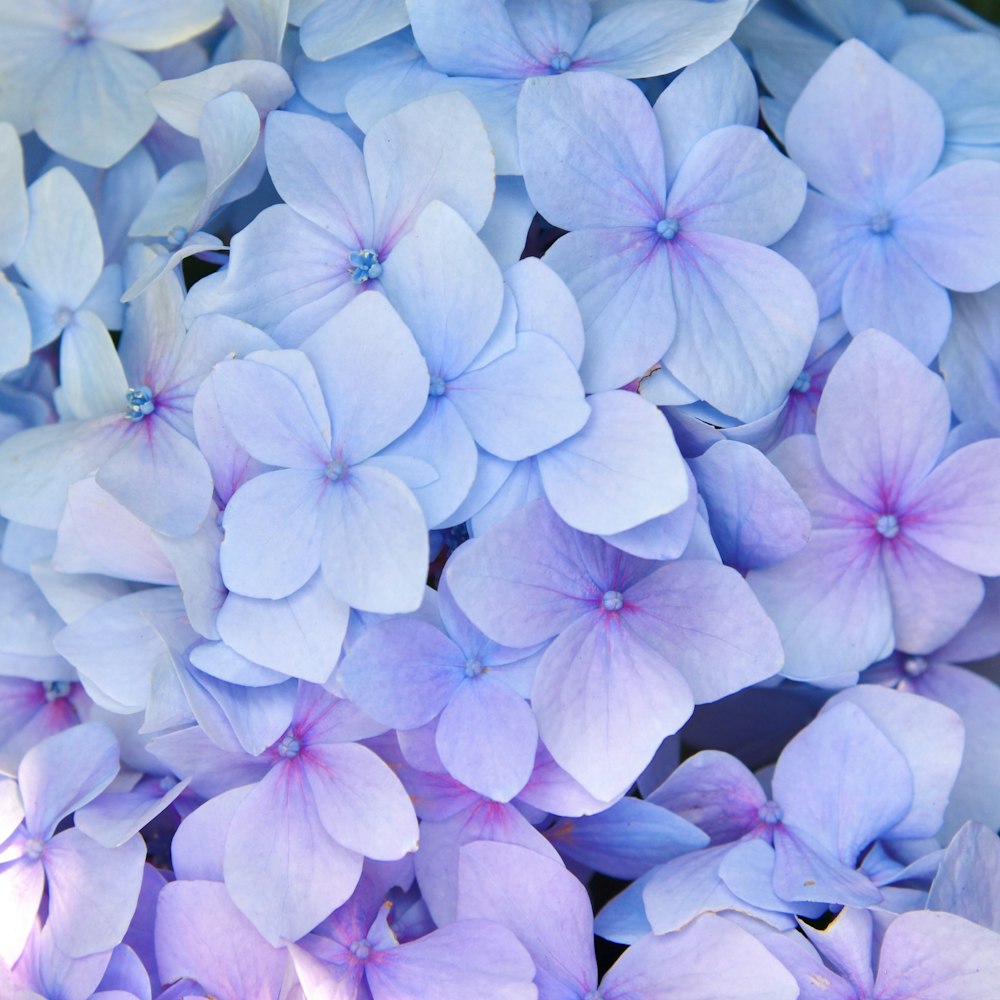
364, 266
289, 746
887, 525
880, 223
436, 387
139, 402
561, 61
335, 471
667, 228
770, 812
802, 383
612, 600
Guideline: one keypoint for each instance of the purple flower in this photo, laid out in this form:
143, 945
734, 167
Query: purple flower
901, 532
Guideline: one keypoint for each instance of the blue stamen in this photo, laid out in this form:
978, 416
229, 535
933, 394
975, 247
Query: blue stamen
289, 746
887, 525
77, 31
176, 237
914, 666
770, 813
139, 402
667, 228
612, 600
561, 61
361, 949
802, 383
880, 223
364, 266
473, 667
55, 689
436, 388
335, 471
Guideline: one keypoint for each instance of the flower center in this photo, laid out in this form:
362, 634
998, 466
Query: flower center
33, 848
887, 525
335, 471
167, 782
473, 667
667, 228
364, 265
77, 31
176, 237
770, 813
361, 949
880, 223
914, 666
63, 316
55, 689
561, 61
802, 383
289, 745
139, 402
436, 387
612, 600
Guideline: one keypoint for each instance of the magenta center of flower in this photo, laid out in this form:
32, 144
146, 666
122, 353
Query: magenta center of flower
361, 949
139, 402
770, 813
55, 689
612, 600
335, 471
887, 525
668, 228
561, 61
289, 746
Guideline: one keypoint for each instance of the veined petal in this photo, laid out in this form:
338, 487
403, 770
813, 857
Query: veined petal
745, 318
93, 891
864, 133
304, 154
949, 225
623, 284
886, 289
953, 511
270, 872
704, 621
734, 182
649, 37
373, 376
881, 422
830, 602
333, 29
62, 256
360, 802
149, 25
597, 680
434, 149
94, 106
275, 412
375, 548
273, 533
590, 151
64, 772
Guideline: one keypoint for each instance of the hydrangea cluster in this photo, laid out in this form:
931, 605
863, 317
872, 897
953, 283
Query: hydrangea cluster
500, 500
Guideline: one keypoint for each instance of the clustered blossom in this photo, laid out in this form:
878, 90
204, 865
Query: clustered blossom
455, 453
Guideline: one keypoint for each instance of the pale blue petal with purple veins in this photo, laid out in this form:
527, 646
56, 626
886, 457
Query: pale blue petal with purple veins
200, 934
626, 437
709, 954
715, 91
756, 517
542, 903
627, 839
329, 30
